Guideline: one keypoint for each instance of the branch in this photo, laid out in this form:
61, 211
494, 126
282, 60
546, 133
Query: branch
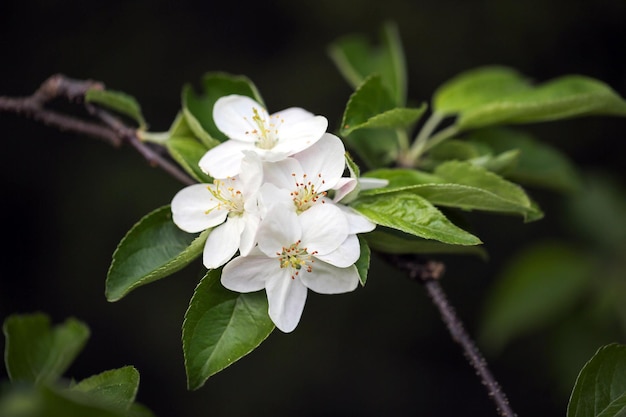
107, 127
429, 274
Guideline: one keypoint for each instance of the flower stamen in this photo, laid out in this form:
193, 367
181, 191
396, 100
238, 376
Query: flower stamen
230, 199
266, 131
296, 258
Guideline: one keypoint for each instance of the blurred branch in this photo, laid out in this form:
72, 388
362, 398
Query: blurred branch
428, 274
106, 127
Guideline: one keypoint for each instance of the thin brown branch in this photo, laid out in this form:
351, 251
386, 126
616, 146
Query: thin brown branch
428, 274
106, 126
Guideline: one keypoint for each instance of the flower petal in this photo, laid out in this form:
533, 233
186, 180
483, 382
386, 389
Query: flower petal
280, 228
283, 174
296, 137
356, 222
248, 236
328, 279
345, 255
190, 209
343, 187
224, 160
271, 195
286, 298
223, 242
324, 161
233, 116
249, 273
324, 228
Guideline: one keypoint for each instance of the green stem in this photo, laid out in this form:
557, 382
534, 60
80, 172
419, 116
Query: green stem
419, 146
403, 141
442, 135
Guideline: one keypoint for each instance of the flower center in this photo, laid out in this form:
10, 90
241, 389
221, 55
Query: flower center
306, 193
266, 131
228, 198
296, 258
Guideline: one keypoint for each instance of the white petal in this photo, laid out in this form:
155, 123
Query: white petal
345, 255
279, 228
324, 160
224, 160
296, 137
270, 195
324, 228
189, 209
327, 279
233, 116
222, 243
343, 187
251, 173
367, 183
280, 173
248, 236
286, 298
249, 273
356, 222
293, 115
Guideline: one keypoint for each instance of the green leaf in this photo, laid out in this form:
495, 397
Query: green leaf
363, 263
187, 151
400, 178
356, 59
477, 87
375, 147
198, 109
116, 388
52, 401
538, 164
221, 327
371, 106
387, 241
117, 101
486, 191
539, 286
600, 389
412, 214
37, 353
461, 185
499, 95
153, 249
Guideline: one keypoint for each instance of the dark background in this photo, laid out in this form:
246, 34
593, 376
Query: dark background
68, 200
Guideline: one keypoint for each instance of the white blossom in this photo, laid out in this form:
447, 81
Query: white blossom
249, 127
229, 206
295, 253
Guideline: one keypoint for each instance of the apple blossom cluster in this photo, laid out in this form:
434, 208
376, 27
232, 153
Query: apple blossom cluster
275, 199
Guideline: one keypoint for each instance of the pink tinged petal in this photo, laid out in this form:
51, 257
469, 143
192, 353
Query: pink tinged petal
249, 273
324, 228
343, 187
324, 160
280, 228
345, 255
280, 173
233, 116
356, 222
223, 242
328, 279
286, 297
296, 137
224, 160
193, 209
